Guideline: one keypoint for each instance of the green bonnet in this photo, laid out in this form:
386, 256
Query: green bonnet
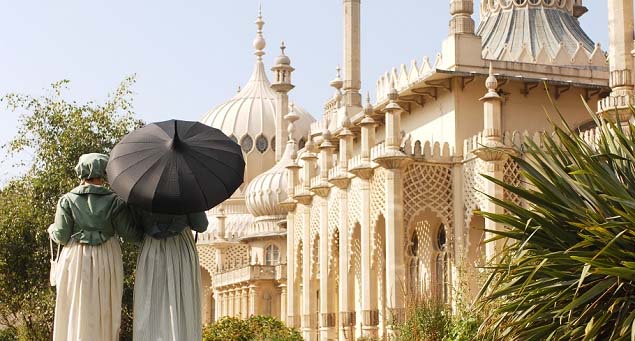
91, 166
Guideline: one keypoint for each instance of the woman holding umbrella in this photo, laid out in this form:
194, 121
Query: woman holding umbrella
171, 173
89, 272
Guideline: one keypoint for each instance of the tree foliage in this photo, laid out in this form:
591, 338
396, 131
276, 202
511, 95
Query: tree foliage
568, 269
54, 132
260, 328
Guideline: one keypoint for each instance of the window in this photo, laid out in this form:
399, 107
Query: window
272, 255
442, 263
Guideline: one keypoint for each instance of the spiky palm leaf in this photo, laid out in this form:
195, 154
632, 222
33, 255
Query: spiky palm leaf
568, 270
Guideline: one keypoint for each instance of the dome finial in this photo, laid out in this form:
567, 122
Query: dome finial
259, 42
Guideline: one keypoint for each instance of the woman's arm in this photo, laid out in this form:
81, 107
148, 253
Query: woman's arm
198, 221
61, 230
125, 223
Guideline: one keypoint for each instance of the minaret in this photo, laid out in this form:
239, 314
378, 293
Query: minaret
352, 46
620, 61
282, 71
461, 22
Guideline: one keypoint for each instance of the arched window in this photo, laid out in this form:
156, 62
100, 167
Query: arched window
272, 255
442, 280
416, 267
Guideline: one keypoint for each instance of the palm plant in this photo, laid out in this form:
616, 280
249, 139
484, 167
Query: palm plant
567, 270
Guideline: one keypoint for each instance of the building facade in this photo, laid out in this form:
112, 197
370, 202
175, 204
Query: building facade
343, 219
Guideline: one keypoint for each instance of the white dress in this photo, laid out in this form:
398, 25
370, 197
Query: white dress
89, 282
167, 292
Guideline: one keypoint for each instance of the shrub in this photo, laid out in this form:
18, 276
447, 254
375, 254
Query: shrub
261, 328
568, 269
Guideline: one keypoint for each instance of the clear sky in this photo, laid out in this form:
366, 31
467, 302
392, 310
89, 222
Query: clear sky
190, 56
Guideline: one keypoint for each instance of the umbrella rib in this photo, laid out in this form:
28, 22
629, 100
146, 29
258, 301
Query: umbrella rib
212, 171
134, 164
214, 174
214, 158
132, 152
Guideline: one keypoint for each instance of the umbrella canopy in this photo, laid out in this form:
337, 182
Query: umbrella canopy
176, 167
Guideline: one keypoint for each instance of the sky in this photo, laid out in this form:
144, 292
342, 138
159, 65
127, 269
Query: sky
190, 56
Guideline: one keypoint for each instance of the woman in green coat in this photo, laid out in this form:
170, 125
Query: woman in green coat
89, 275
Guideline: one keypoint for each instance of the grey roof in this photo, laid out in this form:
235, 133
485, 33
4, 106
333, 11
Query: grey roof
532, 27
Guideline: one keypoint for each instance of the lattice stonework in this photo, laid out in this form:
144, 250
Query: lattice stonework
473, 187
236, 255
377, 195
298, 263
429, 186
511, 175
315, 236
354, 206
207, 258
377, 206
298, 228
334, 222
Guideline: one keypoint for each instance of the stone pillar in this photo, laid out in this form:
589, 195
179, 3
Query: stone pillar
493, 153
461, 22
217, 306
370, 313
244, 303
328, 329
394, 161
289, 309
283, 303
352, 55
253, 300
308, 290
223, 302
346, 294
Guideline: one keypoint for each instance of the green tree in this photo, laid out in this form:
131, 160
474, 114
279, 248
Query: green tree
54, 132
568, 270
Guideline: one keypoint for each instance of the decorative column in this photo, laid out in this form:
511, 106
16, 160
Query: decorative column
461, 22
327, 310
305, 198
617, 104
253, 300
290, 311
346, 298
237, 303
217, 306
282, 85
493, 152
352, 57
244, 302
370, 314
394, 161
283, 302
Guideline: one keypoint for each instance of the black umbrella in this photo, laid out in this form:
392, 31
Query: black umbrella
176, 167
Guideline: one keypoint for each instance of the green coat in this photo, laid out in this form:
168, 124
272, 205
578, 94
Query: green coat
91, 215
160, 226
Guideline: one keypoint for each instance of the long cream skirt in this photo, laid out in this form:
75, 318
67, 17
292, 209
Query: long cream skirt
89, 283
167, 292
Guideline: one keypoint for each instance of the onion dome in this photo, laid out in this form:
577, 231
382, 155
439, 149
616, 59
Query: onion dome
526, 30
249, 118
283, 59
268, 190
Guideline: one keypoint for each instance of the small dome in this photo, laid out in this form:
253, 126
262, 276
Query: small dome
266, 191
283, 59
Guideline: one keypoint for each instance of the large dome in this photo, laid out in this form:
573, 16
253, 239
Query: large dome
249, 118
251, 113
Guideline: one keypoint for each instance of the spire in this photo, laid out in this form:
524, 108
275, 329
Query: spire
259, 42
